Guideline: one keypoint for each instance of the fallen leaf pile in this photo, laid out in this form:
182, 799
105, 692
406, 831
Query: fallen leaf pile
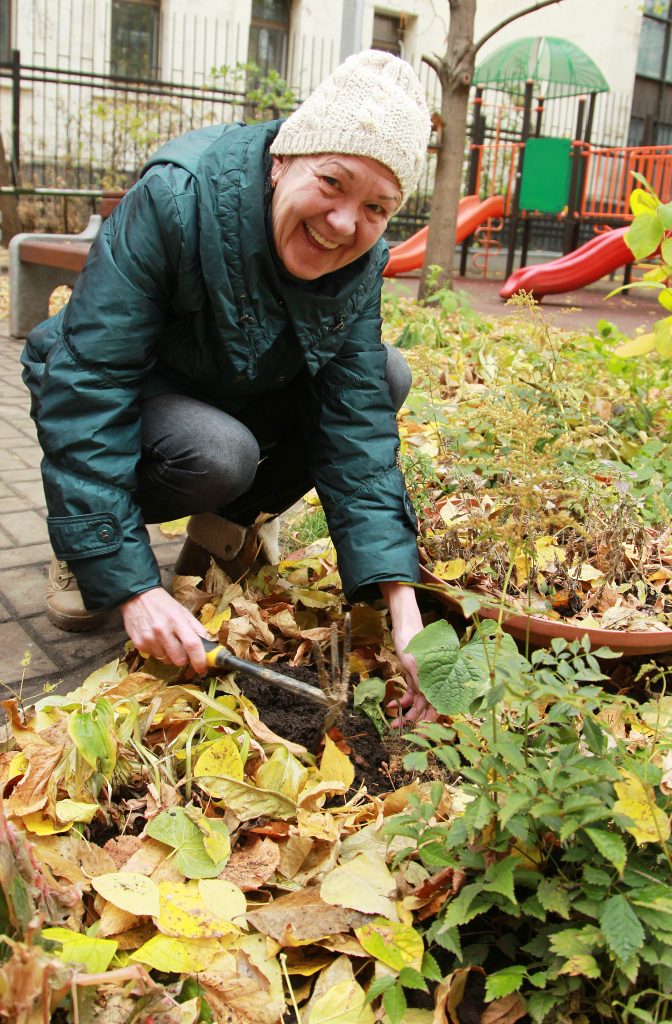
533, 477
162, 832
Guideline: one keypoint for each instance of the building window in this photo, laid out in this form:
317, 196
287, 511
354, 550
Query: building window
388, 33
5, 31
269, 35
134, 49
653, 58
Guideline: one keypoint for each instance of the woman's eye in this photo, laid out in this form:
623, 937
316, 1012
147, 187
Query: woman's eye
377, 208
332, 182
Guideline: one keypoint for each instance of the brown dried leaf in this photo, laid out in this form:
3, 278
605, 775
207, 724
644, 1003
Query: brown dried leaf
238, 1000
302, 917
266, 735
449, 995
121, 849
32, 792
113, 920
506, 1010
293, 853
251, 865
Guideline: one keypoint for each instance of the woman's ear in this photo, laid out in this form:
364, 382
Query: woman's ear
278, 168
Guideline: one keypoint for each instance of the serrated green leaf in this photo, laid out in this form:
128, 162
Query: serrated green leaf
610, 846
581, 964
554, 897
394, 1002
569, 941
410, 978
378, 986
644, 235
499, 878
622, 929
175, 829
540, 1004
504, 982
430, 968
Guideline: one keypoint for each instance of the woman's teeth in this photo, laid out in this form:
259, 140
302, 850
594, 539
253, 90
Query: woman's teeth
317, 237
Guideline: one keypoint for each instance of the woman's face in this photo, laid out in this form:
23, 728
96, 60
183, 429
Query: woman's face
329, 209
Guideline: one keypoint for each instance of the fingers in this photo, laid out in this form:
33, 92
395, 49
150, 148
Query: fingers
157, 624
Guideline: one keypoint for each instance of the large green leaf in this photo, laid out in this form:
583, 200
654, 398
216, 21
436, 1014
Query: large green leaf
175, 829
622, 929
644, 235
93, 734
453, 677
610, 846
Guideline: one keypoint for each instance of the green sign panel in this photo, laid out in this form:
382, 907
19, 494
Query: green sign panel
544, 186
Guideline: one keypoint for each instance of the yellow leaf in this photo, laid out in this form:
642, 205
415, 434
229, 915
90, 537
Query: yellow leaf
247, 801
636, 346
450, 570
585, 572
214, 624
175, 527
75, 810
94, 954
176, 956
17, 766
397, 945
42, 825
221, 759
335, 766
338, 998
216, 838
637, 802
642, 201
130, 891
282, 773
192, 912
363, 883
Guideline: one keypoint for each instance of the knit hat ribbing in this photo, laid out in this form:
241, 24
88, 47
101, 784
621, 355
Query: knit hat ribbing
371, 105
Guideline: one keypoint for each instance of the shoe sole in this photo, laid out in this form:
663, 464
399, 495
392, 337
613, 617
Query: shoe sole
76, 624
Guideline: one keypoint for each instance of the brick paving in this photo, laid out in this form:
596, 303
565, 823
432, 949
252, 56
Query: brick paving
32, 652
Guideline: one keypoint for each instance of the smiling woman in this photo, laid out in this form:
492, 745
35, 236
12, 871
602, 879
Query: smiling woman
221, 355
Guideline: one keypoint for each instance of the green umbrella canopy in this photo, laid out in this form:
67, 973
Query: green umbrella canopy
558, 67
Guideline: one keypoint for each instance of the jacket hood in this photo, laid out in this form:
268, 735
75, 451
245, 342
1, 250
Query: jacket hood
230, 166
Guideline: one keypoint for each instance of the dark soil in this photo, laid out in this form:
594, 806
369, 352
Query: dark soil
377, 762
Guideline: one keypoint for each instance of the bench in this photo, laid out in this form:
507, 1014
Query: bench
38, 263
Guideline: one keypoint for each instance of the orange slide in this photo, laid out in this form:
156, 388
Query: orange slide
410, 255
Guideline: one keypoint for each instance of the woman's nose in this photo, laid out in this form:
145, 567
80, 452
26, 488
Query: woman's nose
342, 219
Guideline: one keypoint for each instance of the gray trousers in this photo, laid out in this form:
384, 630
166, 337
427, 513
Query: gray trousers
196, 458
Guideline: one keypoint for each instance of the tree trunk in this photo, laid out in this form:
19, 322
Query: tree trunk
455, 70
9, 216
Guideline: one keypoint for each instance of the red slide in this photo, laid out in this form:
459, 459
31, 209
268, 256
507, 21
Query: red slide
410, 255
586, 264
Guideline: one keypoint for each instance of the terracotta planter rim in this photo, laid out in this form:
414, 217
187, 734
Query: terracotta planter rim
539, 631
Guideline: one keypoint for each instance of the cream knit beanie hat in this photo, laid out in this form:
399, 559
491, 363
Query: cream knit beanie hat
372, 105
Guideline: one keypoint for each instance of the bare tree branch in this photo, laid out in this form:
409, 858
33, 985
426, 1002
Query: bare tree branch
513, 17
434, 62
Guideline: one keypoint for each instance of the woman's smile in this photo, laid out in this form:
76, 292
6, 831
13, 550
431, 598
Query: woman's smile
328, 210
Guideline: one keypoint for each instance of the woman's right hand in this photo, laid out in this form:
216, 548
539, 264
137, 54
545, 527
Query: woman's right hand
158, 625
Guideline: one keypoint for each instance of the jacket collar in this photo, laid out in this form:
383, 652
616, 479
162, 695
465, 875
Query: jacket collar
239, 265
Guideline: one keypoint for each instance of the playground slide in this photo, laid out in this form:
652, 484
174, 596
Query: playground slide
586, 264
410, 255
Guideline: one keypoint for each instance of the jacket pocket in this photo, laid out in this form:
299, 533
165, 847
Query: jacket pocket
87, 536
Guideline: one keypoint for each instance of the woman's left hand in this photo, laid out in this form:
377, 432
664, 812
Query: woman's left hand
406, 623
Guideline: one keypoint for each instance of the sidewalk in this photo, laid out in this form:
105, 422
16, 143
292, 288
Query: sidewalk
65, 659
62, 659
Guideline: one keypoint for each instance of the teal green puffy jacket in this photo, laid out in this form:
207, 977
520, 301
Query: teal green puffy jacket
180, 293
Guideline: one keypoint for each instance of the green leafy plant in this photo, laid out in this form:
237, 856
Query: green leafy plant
563, 850
650, 236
